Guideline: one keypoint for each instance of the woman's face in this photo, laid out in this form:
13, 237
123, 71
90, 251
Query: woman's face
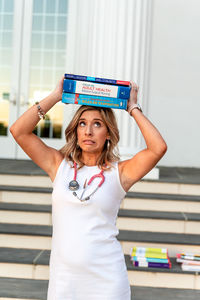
91, 131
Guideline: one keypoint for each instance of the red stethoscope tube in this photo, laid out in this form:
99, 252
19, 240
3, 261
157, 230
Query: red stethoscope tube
92, 178
100, 175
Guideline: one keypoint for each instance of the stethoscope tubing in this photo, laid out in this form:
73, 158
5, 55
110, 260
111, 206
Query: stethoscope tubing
101, 175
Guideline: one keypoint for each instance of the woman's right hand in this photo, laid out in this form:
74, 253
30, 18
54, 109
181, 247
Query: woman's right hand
44, 156
133, 95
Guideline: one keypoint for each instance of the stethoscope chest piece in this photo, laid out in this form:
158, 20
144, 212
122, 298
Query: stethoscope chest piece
73, 185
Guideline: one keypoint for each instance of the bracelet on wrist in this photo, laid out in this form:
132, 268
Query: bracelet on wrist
40, 112
133, 106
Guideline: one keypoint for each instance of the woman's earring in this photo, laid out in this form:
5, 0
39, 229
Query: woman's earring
108, 144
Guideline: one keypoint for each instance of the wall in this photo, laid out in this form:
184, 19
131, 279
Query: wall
110, 38
174, 87
156, 43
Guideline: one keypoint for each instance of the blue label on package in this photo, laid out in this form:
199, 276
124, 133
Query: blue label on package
94, 100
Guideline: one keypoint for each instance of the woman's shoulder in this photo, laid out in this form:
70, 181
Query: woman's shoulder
121, 165
58, 158
112, 166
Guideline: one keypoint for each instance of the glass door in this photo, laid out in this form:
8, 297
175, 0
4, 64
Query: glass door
42, 61
10, 40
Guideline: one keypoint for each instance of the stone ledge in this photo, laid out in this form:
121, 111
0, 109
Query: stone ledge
148, 196
22, 229
126, 213
25, 207
158, 237
29, 189
37, 289
124, 235
165, 196
153, 293
161, 215
23, 288
166, 174
41, 257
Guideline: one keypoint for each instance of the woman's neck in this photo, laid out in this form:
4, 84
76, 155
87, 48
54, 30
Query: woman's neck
89, 159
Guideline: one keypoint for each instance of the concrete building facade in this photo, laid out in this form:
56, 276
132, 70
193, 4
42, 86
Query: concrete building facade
154, 42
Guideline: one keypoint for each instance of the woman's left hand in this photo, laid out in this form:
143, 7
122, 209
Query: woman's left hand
133, 94
59, 88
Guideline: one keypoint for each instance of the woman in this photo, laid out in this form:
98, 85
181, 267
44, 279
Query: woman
89, 183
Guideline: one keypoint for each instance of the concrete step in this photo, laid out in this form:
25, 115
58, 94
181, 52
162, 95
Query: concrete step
170, 206
150, 186
19, 213
158, 221
24, 263
154, 293
39, 237
139, 220
132, 200
174, 242
162, 278
20, 288
25, 236
17, 288
162, 202
25, 180
147, 186
33, 264
23, 194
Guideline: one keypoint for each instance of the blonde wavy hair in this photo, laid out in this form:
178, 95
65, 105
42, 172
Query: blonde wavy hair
72, 152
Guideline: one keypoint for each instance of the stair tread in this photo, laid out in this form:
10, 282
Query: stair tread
25, 207
37, 289
150, 214
167, 174
41, 257
25, 229
153, 293
29, 189
164, 196
24, 256
141, 195
159, 237
20, 167
129, 213
124, 235
23, 288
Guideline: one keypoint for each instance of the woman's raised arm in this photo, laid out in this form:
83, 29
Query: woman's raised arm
134, 169
22, 130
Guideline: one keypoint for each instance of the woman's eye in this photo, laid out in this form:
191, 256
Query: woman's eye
97, 124
81, 123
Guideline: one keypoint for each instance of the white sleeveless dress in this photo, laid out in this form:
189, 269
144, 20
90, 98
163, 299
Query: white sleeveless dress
87, 260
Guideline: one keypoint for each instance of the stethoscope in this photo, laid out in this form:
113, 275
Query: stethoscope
74, 185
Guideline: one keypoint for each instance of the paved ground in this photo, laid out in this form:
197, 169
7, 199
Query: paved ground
168, 174
176, 174
37, 289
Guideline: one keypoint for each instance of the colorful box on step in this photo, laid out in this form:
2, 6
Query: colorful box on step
189, 261
96, 89
152, 264
94, 100
150, 257
149, 252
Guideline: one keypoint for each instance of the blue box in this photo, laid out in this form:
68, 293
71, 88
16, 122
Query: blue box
94, 101
96, 89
